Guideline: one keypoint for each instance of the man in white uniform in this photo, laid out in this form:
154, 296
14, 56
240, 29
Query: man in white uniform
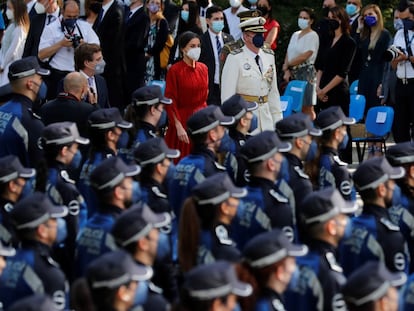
251, 72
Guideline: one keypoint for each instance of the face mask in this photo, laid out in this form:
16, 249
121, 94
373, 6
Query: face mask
252, 1
351, 9
253, 124
398, 24
325, 11
141, 294
76, 161
258, 40
162, 122
348, 229
194, 53
100, 67
217, 26
370, 20
303, 23
408, 23
9, 14
136, 192
95, 7
294, 279
235, 3
69, 23
127, 2
41, 95
263, 9
28, 188
333, 24
153, 8
225, 143
185, 15
39, 8
313, 149
163, 247
344, 142
62, 231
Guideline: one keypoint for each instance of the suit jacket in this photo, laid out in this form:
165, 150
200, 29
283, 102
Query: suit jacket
31, 48
32, 13
102, 89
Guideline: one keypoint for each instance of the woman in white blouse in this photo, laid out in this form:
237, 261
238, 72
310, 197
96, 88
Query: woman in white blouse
300, 58
14, 37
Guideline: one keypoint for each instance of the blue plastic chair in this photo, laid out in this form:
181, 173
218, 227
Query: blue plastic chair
378, 125
296, 89
353, 89
160, 83
286, 103
357, 107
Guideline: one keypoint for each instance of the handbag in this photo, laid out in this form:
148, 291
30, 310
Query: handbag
165, 53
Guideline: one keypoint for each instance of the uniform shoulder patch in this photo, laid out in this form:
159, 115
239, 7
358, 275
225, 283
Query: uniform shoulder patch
333, 265
223, 235
236, 51
389, 225
278, 305
36, 116
65, 176
300, 172
278, 196
339, 161
268, 51
158, 192
219, 166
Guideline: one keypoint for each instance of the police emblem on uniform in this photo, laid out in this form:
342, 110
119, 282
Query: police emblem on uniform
247, 66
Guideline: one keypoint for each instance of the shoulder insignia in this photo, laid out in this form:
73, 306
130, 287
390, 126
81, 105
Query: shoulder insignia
268, 51
158, 192
73, 207
345, 187
278, 305
65, 176
8, 207
51, 261
219, 166
339, 161
338, 303
36, 116
223, 235
236, 51
390, 226
151, 133
154, 288
278, 196
300, 172
330, 258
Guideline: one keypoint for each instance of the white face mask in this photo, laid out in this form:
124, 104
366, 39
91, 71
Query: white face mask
194, 53
235, 3
9, 14
39, 8
303, 23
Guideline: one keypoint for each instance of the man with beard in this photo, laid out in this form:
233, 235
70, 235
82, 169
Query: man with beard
112, 181
374, 235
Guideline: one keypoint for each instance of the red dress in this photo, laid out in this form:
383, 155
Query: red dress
268, 26
188, 89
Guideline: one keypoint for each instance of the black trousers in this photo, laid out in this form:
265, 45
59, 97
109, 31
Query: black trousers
403, 110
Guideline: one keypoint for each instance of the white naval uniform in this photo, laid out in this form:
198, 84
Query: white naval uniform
241, 75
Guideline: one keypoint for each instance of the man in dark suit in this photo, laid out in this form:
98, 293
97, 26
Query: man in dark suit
47, 12
212, 41
109, 26
136, 37
89, 62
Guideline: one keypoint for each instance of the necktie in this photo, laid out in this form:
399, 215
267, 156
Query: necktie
218, 44
257, 58
100, 15
50, 18
202, 12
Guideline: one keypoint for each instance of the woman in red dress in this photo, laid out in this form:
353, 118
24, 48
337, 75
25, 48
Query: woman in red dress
187, 86
272, 26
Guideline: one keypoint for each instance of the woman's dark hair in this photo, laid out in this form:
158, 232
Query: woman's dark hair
80, 296
340, 13
269, 12
21, 16
310, 12
185, 38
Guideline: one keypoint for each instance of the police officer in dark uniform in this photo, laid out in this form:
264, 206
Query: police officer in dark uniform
36, 302
299, 131
246, 122
323, 218
105, 129
137, 230
264, 207
333, 172
60, 142
32, 269
20, 127
13, 179
206, 129
374, 235
112, 181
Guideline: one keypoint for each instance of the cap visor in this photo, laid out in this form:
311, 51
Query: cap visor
166, 101
315, 132
238, 192
82, 140
242, 289
225, 120
132, 170
297, 250
284, 147
27, 172
250, 106
349, 208
43, 72
124, 125
349, 121
397, 172
158, 220
58, 211
7, 251
397, 278
140, 273
173, 153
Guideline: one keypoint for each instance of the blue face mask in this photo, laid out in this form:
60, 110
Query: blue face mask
294, 279
136, 192
225, 143
348, 229
28, 188
408, 24
69, 23
141, 293
370, 20
62, 231
313, 149
351, 9
398, 24
162, 122
41, 95
217, 26
76, 161
344, 142
163, 247
253, 123
252, 1
258, 40
185, 15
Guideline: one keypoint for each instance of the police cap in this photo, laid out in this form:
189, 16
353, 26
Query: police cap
11, 168
331, 118
263, 146
136, 223
296, 125
215, 280
245, 15
216, 189
62, 133
370, 282
401, 153
206, 119
236, 106
114, 269
110, 172
149, 95
34, 210
271, 247
322, 205
375, 171
107, 118
26, 67
153, 151
36, 302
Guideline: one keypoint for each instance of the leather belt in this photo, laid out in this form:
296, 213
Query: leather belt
258, 99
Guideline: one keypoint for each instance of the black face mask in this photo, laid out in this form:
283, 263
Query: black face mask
333, 24
325, 11
95, 7
263, 9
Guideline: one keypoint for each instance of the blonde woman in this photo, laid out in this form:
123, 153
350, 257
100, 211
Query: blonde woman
14, 37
